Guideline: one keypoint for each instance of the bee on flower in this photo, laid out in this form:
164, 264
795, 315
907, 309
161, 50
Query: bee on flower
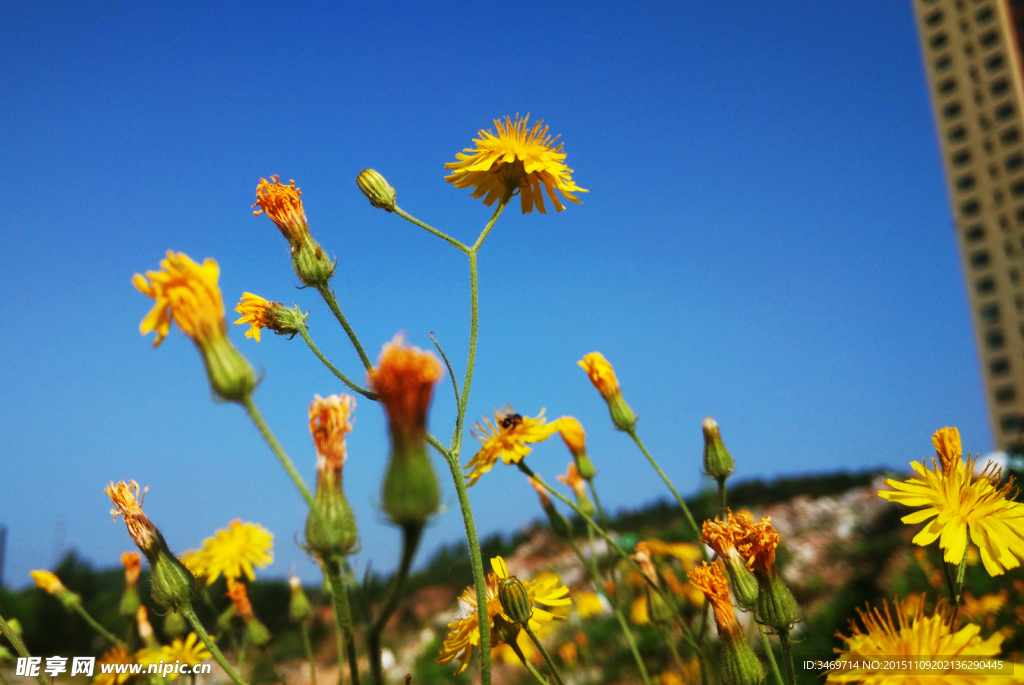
506, 439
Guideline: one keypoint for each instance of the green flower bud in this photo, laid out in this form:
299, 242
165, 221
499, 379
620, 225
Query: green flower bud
231, 376
622, 416
718, 463
334, 531
377, 190
257, 632
775, 607
410, 493
312, 265
129, 602
560, 525
175, 624
299, 608
504, 630
743, 582
515, 601
741, 665
585, 466
5, 654
15, 625
171, 584
659, 611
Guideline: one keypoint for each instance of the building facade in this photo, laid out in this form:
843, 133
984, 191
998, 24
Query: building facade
972, 56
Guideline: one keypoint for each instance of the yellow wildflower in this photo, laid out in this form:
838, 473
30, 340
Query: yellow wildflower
588, 604
957, 503
186, 293
507, 438
914, 635
947, 447
464, 634
515, 159
233, 551
573, 435
47, 581
601, 374
114, 655
638, 612
283, 204
260, 313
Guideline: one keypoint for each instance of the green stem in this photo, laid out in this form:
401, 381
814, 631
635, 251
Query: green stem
19, 646
959, 584
411, 534
342, 621
614, 545
342, 377
443, 236
522, 657
787, 656
671, 642
623, 624
771, 655
544, 653
451, 374
722, 507
286, 462
98, 628
243, 651
325, 292
474, 320
475, 562
189, 613
675, 493
308, 646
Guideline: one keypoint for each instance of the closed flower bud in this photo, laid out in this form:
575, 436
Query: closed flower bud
51, 583
254, 629
776, 607
299, 608
257, 633
576, 440
129, 602
377, 190
505, 630
515, 601
602, 376
718, 462
175, 624
744, 584
171, 584
742, 666
312, 265
230, 374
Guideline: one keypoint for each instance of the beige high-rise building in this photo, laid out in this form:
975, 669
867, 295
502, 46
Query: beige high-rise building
972, 56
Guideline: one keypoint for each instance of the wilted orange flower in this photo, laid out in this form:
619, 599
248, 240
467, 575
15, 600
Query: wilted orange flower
329, 420
516, 158
710, 579
759, 546
240, 598
404, 380
186, 293
283, 204
127, 499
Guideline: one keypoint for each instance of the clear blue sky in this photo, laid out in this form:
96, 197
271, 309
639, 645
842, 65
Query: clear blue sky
766, 240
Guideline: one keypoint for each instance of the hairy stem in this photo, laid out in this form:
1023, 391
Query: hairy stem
544, 653
722, 506
787, 656
19, 646
325, 292
107, 635
189, 613
675, 493
771, 655
519, 653
342, 377
443, 236
342, 621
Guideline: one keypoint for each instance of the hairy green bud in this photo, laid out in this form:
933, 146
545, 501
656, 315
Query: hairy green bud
378, 191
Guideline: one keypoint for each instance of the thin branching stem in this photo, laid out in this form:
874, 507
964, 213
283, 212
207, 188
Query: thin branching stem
522, 657
308, 647
451, 374
543, 653
333, 369
107, 635
771, 655
332, 302
443, 236
19, 646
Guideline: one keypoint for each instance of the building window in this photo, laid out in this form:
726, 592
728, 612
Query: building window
980, 259
989, 39
1011, 423
970, 208
990, 313
1020, 215
965, 182
995, 340
957, 134
999, 87
986, 286
1010, 136
984, 15
952, 110
994, 63
947, 86
1014, 162
1005, 394
975, 233
943, 63
962, 157
999, 367
1018, 188
939, 41
1004, 111
935, 18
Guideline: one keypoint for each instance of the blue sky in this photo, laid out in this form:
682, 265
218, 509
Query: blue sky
766, 240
